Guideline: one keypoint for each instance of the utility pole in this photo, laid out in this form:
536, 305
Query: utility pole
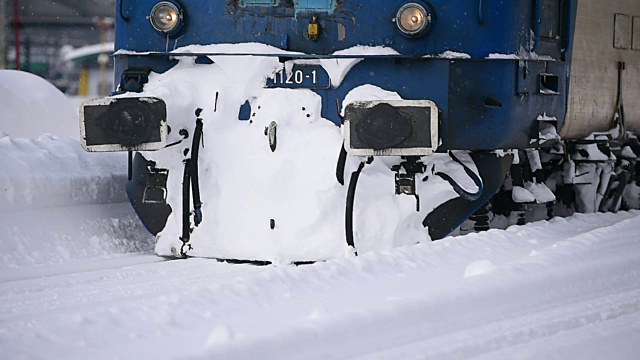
104, 24
16, 30
3, 34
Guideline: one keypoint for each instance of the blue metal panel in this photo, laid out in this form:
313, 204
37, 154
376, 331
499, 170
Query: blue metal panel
485, 112
504, 27
461, 89
484, 103
412, 79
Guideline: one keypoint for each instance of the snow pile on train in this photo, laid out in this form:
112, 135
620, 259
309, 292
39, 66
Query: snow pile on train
283, 205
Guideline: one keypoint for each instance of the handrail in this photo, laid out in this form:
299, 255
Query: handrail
125, 18
536, 30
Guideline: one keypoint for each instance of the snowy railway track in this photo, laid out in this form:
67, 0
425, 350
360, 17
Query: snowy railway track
39, 273
562, 332
109, 281
564, 288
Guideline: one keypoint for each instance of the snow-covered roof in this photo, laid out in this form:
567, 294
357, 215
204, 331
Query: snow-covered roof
89, 50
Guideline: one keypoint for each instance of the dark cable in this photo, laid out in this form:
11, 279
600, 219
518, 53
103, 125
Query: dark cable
342, 160
186, 223
457, 188
195, 182
351, 195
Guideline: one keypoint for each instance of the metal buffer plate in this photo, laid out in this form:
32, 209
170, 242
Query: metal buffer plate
391, 128
123, 124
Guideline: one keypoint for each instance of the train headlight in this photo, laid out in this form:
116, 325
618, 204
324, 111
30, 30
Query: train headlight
413, 19
166, 17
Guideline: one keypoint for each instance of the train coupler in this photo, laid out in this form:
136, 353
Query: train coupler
405, 178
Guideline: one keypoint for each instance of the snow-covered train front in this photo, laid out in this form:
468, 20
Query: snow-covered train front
301, 130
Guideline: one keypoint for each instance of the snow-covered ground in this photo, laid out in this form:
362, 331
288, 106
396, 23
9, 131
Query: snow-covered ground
78, 280
57, 202
568, 288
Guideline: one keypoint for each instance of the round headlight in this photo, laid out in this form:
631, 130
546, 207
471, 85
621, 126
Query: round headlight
412, 19
165, 17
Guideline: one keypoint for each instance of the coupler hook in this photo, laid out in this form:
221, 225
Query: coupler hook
406, 180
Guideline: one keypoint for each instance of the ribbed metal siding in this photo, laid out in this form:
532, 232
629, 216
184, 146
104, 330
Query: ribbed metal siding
594, 73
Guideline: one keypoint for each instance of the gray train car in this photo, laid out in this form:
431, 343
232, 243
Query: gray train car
605, 69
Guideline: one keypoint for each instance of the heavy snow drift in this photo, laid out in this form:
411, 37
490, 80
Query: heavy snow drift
567, 288
57, 202
31, 107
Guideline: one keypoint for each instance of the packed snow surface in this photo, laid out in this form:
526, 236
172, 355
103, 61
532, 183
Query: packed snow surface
57, 202
567, 288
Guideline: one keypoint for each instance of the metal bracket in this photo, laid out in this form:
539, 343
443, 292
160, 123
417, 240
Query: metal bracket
405, 178
133, 80
314, 29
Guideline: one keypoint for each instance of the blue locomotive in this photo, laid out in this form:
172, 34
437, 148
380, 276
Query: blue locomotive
516, 107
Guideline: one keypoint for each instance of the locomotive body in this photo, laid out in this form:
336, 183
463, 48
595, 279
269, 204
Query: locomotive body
475, 60
471, 109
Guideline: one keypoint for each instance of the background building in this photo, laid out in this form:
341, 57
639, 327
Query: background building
38, 33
